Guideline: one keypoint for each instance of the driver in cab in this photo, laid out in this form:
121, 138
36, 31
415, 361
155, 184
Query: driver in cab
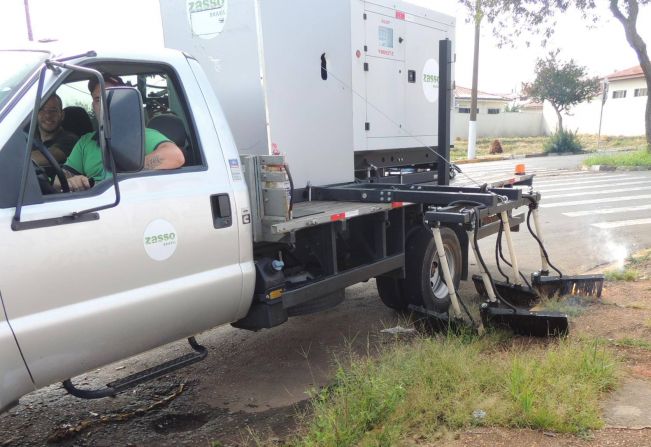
85, 160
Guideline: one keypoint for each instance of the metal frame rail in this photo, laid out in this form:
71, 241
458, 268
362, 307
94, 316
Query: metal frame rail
446, 204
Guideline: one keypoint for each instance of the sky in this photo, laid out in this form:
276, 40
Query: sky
602, 49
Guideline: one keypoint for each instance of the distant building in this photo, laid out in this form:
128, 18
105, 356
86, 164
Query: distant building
487, 103
623, 111
627, 84
493, 120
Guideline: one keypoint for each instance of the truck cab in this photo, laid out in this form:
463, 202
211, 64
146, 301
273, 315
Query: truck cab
136, 261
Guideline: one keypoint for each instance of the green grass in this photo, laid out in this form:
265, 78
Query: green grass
433, 386
639, 259
637, 158
633, 343
533, 145
625, 274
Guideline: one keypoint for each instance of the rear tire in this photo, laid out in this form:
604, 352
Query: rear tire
390, 291
424, 284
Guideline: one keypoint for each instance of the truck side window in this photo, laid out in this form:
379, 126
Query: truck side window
165, 110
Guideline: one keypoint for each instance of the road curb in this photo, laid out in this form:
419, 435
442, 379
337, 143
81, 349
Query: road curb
608, 168
506, 157
515, 157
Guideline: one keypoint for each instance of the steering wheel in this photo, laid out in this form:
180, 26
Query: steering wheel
63, 180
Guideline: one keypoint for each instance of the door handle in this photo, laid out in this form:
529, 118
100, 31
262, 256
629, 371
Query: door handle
221, 211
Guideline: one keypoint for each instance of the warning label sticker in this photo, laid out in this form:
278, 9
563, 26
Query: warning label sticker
236, 171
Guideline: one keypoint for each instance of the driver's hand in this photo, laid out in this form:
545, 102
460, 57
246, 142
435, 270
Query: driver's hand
78, 183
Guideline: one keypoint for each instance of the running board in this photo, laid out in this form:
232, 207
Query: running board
117, 386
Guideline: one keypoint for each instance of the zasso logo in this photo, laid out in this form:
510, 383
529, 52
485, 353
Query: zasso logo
160, 238
203, 5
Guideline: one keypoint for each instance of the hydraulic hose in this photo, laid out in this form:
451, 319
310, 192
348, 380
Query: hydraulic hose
480, 258
540, 244
501, 255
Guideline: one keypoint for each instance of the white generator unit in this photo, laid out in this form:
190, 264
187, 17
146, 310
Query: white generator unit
322, 83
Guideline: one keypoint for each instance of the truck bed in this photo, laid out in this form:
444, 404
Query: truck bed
309, 214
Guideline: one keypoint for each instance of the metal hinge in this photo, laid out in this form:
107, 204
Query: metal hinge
367, 126
365, 66
364, 16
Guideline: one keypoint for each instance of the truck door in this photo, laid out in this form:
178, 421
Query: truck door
14, 378
161, 265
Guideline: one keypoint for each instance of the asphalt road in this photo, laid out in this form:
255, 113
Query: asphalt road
257, 379
588, 218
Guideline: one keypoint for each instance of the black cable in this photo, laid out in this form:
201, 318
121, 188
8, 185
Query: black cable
291, 188
498, 251
540, 244
501, 253
472, 320
485, 268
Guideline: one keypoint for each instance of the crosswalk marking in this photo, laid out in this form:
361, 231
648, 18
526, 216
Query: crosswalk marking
623, 209
593, 201
639, 182
607, 191
580, 194
621, 223
602, 180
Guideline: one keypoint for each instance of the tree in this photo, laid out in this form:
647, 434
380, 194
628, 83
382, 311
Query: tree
563, 84
517, 16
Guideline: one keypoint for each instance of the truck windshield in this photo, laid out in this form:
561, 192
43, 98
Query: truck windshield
15, 69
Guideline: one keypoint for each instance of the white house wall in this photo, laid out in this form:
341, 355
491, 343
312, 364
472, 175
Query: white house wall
504, 124
622, 116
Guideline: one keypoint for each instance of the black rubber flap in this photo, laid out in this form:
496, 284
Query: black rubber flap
524, 322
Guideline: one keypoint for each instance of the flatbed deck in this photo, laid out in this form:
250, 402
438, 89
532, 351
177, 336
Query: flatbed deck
309, 214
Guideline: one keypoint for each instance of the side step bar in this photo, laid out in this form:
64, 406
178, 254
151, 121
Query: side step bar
117, 386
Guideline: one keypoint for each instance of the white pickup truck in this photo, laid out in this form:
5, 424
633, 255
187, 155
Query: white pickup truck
146, 257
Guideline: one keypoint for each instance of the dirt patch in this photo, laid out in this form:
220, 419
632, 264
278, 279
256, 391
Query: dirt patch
501, 437
622, 320
253, 386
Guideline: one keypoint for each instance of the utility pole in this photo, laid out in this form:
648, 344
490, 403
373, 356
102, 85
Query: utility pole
604, 97
29, 22
472, 124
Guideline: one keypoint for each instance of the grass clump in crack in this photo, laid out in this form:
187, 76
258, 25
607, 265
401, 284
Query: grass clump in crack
433, 386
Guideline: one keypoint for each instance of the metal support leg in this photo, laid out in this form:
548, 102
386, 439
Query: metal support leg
543, 259
443, 264
509, 241
484, 274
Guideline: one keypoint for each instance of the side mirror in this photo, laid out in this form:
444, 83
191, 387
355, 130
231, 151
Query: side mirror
127, 121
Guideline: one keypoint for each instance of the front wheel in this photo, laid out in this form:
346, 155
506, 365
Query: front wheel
424, 284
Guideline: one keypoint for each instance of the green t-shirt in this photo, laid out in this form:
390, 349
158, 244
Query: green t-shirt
86, 156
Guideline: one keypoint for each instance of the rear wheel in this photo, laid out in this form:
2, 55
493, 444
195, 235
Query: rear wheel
424, 284
390, 291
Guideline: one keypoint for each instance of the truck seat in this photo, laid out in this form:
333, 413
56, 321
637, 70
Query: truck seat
76, 120
172, 127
